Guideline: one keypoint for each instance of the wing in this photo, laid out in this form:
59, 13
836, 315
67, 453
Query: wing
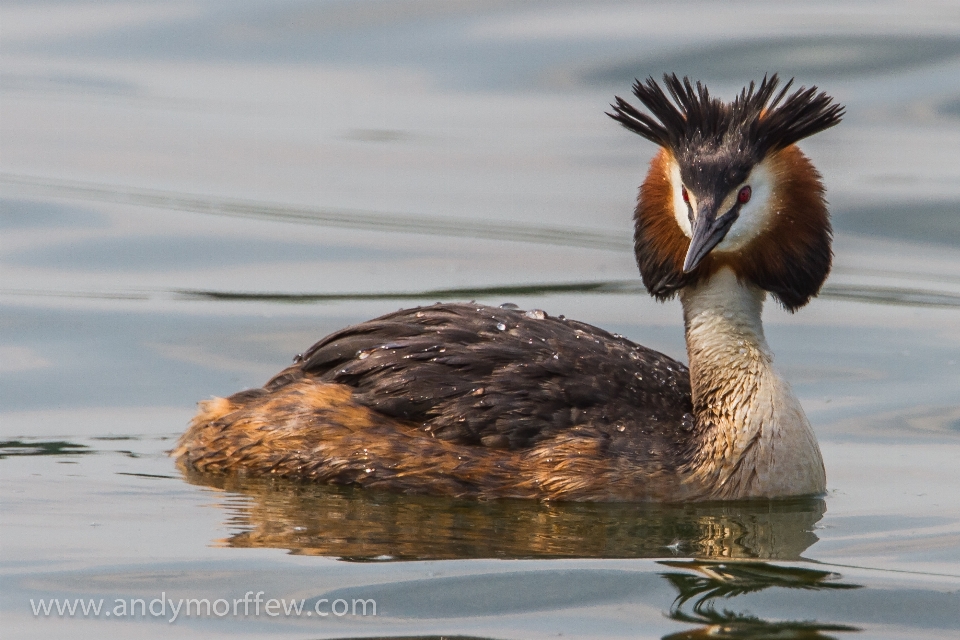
502, 377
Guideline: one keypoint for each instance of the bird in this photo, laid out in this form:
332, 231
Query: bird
474, 401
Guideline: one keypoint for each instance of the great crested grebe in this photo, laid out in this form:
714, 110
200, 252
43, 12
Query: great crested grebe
469, 400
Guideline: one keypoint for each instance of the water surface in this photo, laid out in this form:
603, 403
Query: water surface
190, 194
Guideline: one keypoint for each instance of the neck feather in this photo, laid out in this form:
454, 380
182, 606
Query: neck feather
753, 439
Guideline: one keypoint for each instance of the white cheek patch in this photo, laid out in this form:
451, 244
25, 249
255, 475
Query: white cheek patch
756, 215
680, 210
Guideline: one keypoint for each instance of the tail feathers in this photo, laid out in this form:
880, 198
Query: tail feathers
314, 431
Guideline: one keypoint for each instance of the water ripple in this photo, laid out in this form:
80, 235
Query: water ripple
332, 217
897, 296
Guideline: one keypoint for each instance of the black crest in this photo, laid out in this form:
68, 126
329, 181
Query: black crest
758, 121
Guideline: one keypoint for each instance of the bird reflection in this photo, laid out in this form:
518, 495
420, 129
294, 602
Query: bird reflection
729, 579
362, 525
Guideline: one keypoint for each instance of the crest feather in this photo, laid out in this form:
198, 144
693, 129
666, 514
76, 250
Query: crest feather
685, 115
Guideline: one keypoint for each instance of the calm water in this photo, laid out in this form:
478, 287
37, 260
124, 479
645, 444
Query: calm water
192, 193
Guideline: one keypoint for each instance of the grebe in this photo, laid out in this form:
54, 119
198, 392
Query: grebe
470, 400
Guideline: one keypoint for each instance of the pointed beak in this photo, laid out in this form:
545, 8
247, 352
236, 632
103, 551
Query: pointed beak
708, 231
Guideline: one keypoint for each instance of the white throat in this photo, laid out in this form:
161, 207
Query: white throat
755, 440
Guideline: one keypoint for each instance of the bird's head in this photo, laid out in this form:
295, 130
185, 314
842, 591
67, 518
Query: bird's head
730, 188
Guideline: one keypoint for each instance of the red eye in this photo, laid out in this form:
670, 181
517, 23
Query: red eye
683, 192
744, 196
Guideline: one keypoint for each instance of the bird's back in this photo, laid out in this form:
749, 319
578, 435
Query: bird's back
500, 377
476, 382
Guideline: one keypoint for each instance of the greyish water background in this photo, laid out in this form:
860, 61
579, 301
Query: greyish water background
193, 192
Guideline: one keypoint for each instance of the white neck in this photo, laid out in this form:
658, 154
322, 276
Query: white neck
753, 437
